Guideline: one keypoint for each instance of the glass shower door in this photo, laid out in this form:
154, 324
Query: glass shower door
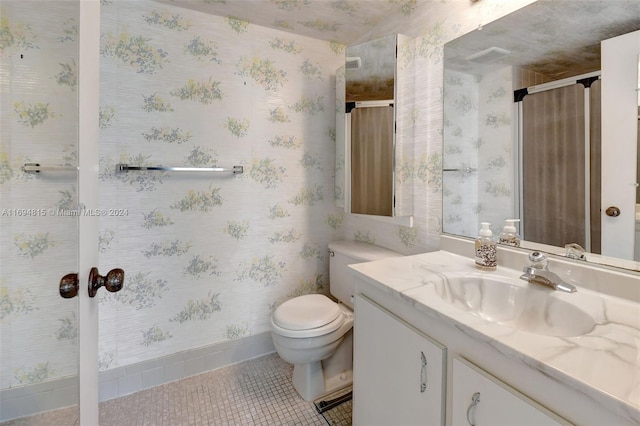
39, 214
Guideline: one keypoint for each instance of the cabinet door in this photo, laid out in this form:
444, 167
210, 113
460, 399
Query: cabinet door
481, 399
398, 371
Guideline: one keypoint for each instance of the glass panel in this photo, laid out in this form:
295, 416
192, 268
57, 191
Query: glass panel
38, 220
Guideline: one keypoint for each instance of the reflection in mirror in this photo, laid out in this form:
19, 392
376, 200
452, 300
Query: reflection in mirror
487, 174
370, 70
370, 77
637, 218
368, 139
638, 163
559, 139
339, 192
371, 140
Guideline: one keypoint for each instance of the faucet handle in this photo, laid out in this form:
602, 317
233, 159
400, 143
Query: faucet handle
538, 260
575, 251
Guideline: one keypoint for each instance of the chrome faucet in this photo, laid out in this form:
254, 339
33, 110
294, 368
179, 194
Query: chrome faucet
537, 272
575, 251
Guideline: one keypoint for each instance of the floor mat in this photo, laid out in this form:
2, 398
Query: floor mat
336, 407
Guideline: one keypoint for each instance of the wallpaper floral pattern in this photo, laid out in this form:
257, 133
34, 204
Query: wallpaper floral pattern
220, 250
38, 77
207, 257
477, 180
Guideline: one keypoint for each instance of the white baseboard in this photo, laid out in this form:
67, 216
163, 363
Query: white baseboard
60, 393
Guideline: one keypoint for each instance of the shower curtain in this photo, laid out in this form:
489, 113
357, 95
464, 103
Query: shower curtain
372, 160
553, 149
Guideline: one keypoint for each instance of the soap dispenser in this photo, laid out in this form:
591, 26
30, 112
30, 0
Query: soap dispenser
486, 252
509, 235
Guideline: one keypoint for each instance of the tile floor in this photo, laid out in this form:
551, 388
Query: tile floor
339, 413
254, 392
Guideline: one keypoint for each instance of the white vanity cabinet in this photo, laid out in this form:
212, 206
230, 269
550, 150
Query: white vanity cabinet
588, 379
480, 399
402, 376
399, 372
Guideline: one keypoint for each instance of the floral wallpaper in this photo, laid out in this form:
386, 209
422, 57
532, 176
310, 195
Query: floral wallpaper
207, 257
211, 255
477, 180
38, 74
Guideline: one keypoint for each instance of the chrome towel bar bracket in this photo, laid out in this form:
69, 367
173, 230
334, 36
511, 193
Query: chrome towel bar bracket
37, 168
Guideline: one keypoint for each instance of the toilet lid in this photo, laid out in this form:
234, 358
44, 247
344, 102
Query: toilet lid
306, 312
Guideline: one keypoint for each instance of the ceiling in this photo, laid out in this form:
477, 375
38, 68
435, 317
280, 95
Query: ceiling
548, 36
342, 21
554, 38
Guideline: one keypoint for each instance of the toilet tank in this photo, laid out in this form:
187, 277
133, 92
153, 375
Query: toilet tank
344, 253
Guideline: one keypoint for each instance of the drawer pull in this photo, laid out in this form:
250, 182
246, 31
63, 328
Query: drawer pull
423, 372
475, 399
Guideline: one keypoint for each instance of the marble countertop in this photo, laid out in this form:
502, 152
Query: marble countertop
603, 363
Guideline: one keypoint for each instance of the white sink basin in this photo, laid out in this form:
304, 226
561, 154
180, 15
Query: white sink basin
523, 306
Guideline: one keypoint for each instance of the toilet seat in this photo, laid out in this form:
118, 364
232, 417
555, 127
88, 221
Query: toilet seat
305, 316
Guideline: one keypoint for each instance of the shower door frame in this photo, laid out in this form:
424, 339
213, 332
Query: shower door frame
88, 226
519, 158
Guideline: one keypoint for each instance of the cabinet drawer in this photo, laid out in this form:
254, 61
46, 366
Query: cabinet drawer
480, 399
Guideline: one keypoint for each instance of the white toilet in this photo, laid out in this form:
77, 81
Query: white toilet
313, 332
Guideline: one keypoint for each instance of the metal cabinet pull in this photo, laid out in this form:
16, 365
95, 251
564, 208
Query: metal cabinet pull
113, 281
475, 399
423, 372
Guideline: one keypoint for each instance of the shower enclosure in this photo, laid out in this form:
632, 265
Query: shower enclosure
561, 155
100, 101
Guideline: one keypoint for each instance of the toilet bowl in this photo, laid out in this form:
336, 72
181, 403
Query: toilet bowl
314, 333
308, 342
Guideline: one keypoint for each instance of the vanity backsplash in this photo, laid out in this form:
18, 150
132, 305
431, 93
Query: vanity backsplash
603, 279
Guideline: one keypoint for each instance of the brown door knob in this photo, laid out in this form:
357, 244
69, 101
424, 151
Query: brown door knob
113, 281
69, 285
612, 211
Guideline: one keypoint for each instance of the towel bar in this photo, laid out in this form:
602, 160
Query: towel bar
123, 168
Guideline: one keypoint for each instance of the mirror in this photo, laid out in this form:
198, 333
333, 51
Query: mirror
369, 96
637, 218
541, 47
368, 142
638, 162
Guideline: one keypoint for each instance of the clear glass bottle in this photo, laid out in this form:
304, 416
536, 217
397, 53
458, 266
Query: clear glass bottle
485, 249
